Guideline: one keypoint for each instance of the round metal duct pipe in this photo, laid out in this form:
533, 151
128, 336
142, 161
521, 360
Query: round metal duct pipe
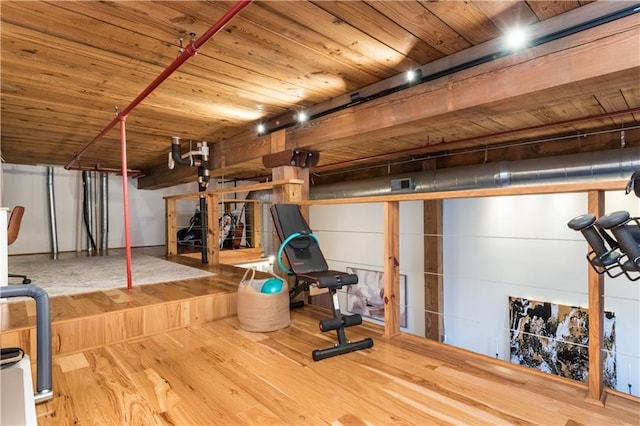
618, 163
53, 227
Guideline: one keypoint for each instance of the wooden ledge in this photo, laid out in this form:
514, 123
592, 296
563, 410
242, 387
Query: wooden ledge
244, 188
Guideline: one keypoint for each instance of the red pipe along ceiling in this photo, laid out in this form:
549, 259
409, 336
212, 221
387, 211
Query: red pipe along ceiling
121, 117
190, 51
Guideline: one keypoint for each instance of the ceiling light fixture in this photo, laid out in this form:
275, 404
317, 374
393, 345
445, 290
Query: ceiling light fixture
413, 75
517, 38
261, 128
302, 117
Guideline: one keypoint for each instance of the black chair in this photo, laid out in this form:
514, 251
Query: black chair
310, 268
13, 229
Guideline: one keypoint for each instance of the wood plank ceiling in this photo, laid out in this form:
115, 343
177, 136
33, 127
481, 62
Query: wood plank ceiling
66, 67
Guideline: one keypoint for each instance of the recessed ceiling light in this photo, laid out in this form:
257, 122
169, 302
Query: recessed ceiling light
261, 128
302, 117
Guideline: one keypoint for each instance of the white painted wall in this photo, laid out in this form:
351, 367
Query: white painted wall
351, 235
494, 247
27, 186
521, 246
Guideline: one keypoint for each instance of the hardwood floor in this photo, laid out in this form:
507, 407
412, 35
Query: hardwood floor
87, 320
173, 353
216, 373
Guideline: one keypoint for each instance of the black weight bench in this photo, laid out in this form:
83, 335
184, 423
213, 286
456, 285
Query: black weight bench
310, 268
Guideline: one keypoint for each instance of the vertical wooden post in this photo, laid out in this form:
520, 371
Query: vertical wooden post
391, 268
290, 193
256, 232
172, 226
278, 141
212, 233
433, 292
596, 391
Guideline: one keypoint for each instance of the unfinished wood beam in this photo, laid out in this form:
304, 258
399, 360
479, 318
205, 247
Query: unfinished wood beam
391, 219
171, 226
213, 228
596, 393
522, 76
293, 192
433, 285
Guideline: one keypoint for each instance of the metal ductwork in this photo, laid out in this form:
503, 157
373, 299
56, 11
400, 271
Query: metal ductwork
53, 227
613, 164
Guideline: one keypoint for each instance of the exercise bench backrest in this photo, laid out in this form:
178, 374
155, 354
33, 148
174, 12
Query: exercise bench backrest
303, 253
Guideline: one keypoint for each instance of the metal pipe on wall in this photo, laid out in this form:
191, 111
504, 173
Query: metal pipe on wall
104, 213
96, 211
85, 209
53, 227
91, 189
79, 210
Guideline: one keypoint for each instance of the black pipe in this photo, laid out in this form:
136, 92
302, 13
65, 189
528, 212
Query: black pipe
176, 153
85, 214
205, 229
203, 182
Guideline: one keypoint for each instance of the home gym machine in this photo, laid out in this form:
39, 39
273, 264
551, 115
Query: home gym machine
614, 239
195, 158
309, 266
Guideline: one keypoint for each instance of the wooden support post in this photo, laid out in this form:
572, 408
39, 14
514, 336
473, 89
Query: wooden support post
213, 229
291, 192
256, 232
433, 291
391, 268
171, 226
596, 391
278, 141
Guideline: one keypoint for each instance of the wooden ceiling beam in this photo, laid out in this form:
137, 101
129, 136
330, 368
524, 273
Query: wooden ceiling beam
520, 80
555, 68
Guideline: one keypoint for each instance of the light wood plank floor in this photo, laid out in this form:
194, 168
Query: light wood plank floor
218, 374
63, 308
215, 373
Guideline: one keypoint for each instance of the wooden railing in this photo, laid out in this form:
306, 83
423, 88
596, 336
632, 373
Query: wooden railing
595, 284
215, 199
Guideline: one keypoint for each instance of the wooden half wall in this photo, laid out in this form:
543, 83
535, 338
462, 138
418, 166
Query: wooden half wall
433, 207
